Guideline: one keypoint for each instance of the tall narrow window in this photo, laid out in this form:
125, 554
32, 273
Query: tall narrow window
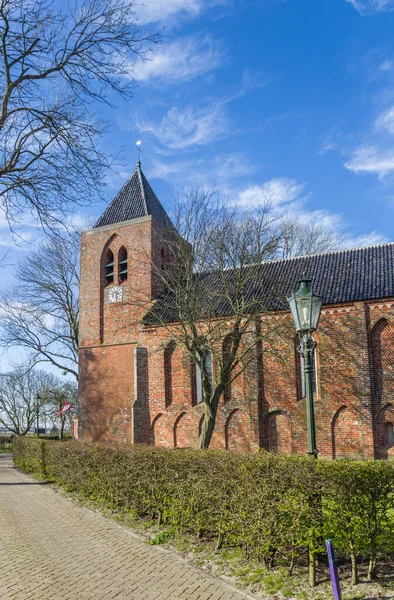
227, 344
109, 267
389, 435
300, 367
208, 369
168, 355
122, 265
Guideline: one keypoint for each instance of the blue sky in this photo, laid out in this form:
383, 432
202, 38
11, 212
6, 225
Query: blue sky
290, 100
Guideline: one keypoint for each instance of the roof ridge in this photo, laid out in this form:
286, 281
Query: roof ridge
342, 250
301, 256
139, 173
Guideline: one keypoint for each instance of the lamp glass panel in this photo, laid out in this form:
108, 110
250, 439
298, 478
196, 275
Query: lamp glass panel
317, 302
293, 307
304, 305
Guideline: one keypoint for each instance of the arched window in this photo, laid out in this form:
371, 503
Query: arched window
382, 344
109, 267
122, 264
168, 354
208, 369
300, 370
389, 435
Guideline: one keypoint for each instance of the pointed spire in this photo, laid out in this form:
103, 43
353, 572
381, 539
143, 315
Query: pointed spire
136, 199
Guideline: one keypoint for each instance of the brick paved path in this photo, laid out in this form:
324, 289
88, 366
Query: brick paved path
51, 548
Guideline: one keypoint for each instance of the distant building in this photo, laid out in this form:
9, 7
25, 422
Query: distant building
137, 385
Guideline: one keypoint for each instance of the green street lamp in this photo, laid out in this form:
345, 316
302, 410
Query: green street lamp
305, 308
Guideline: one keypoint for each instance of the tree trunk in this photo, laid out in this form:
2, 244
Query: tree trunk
312, 563
292, 563
353, 558
207, 430
372, 564
208, 426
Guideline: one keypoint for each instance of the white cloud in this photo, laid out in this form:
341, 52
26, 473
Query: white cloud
376, 154
186, 127
162, 10
386, 120
386, 65
6, 241
182, 59
327, 220
252, 80
371, 159
218, 172
287, 198
276, 191
79, 222
331, 141
368, 239
229, 166
369, 7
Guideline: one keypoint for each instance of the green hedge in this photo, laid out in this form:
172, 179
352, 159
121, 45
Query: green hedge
274, 507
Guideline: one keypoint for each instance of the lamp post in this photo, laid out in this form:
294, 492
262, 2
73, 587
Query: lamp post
305, 308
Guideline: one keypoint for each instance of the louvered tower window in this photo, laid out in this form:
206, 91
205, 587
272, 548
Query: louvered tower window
109, 267
122, 265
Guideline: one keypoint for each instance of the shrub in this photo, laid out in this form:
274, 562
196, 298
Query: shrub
276, 509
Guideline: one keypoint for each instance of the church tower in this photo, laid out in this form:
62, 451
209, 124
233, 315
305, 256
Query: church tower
118, 260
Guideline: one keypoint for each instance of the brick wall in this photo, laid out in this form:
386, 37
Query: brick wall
138, 384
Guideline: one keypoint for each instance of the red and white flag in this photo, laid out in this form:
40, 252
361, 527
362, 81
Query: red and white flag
64, 408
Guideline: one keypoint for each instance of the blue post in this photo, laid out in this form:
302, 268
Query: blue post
333, 570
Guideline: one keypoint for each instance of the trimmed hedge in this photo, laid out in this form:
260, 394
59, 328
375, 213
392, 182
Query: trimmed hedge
274, 507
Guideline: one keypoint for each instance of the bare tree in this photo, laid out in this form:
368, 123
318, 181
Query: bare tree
40, 313
298, 238
20, 395
58, 60
212, 286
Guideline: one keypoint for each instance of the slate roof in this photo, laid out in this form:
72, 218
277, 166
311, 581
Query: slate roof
136, 199
340, 277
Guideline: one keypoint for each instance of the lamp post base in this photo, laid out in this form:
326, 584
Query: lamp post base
312, 453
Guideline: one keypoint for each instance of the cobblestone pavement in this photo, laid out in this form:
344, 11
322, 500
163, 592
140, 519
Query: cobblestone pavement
51, 548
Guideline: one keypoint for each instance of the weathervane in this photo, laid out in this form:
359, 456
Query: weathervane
138, 146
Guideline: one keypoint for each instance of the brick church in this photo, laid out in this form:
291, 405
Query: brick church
138, 386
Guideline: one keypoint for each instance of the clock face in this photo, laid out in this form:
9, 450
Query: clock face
115, 294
